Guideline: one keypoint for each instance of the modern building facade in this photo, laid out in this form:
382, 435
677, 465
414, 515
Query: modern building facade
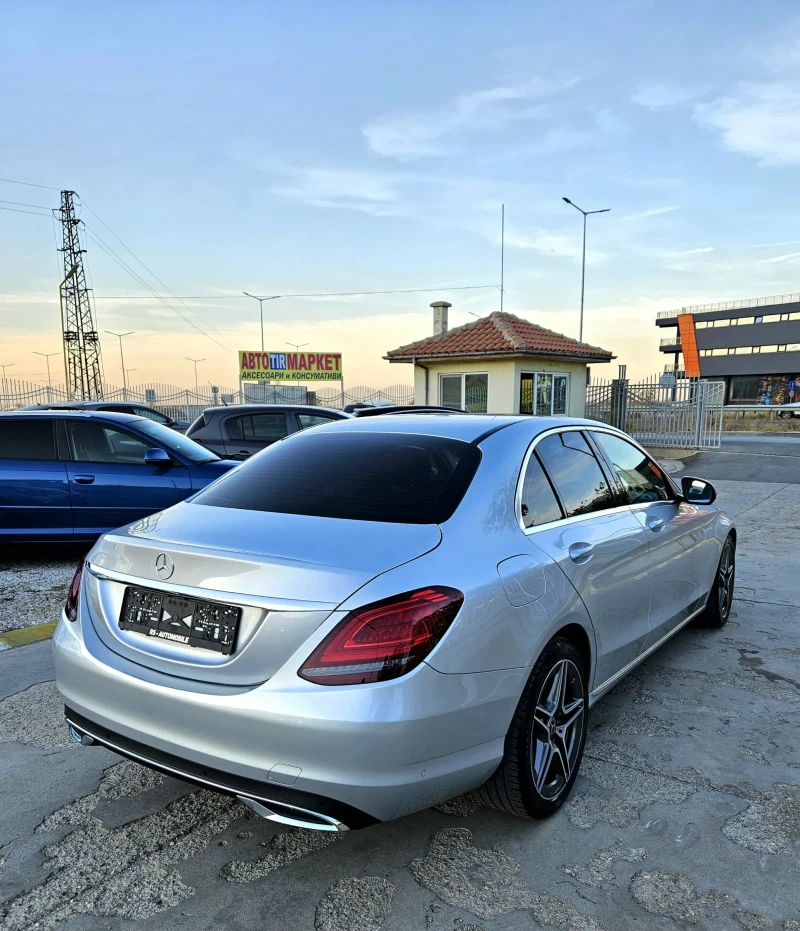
500, 364
752, 345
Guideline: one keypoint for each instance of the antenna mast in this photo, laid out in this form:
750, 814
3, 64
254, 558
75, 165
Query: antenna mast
81, 343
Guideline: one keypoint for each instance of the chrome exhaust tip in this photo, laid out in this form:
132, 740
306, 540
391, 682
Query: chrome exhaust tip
83, 739
294, 817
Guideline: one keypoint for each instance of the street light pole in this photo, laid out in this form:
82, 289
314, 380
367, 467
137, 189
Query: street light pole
271, 297
585, 213
122, 360
47, 356
196, 388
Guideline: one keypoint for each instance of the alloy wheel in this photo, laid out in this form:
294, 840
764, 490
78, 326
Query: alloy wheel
725, 580
557, 729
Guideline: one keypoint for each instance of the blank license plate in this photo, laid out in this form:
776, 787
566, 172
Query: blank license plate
207, 625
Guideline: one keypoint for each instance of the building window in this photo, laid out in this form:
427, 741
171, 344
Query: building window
464, 392
763, 389
543, 393
758, 320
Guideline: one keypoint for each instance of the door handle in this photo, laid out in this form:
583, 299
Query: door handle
581, 552
84, 479
244, 452
655, 523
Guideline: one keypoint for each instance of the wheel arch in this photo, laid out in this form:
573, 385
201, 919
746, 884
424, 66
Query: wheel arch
579, 637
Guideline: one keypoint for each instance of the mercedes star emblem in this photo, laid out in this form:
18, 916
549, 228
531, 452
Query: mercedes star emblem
164, 566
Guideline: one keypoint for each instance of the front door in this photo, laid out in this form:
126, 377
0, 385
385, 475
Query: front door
680, 535
110, 482
34, 494
601, 548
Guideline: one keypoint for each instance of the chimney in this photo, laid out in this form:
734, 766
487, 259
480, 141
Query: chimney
440, 317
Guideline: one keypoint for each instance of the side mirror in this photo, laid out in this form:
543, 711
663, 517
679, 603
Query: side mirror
157, 456
698, 491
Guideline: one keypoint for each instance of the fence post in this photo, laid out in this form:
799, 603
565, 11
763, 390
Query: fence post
701, 407
619, 399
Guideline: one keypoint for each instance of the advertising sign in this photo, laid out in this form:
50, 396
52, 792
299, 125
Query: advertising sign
290, 366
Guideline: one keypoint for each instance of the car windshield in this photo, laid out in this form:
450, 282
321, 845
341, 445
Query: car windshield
171, 439
390, 477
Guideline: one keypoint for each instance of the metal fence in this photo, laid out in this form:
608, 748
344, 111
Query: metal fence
185, 404
661, 411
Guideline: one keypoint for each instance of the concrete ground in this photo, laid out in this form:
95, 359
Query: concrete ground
750, 459
686, 813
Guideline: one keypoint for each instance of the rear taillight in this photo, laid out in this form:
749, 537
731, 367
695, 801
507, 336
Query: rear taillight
71, 607
384, 640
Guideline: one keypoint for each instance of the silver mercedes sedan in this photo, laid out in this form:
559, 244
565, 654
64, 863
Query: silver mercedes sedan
375, 615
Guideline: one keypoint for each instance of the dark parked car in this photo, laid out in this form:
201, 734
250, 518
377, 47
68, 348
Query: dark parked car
114, 407
68, 476
237, 431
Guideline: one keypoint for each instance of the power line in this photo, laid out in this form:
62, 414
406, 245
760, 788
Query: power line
16, 203
30, 212
227, 297
138, 278
44, 187
151, 272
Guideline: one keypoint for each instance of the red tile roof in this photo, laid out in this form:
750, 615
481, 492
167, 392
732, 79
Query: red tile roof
499, 334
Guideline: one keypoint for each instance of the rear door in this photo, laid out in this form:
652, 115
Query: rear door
600, 546
245, 434
34, 494
680, 535
110, 482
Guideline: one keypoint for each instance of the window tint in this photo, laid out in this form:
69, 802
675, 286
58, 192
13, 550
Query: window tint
259, 427
577, 474
539, 503
151, 415
97, 442
640, 477
389, 477
173, 442
312, 420
26, 439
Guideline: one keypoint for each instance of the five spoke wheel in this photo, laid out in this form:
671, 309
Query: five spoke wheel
557, 729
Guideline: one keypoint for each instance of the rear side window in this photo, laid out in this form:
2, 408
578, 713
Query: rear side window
258, 427
578, 478
151, 415
27, 439
389, 477
313, 420
539, 504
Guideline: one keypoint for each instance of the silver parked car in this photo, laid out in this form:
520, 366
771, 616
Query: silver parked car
370, 617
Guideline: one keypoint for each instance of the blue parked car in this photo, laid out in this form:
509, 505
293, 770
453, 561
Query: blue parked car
68, 476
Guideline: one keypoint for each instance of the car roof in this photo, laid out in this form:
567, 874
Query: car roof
466, 427
64, 413
81, 405
300, 408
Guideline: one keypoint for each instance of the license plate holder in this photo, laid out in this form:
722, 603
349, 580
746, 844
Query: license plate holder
194, 622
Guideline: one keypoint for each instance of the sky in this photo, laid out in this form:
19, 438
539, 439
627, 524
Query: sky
352, 146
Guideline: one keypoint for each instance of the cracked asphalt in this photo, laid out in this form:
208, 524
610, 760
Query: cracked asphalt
686, 813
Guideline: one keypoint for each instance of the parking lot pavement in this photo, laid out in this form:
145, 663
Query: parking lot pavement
755, 458
686, 813
34, 582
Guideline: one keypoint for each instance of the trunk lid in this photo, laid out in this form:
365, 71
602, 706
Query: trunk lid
287, 573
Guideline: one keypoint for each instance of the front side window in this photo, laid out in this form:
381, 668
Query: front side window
313, 420
642, 480
577, 475
27, 439
151, 415
98, 442
538, 504
465, 392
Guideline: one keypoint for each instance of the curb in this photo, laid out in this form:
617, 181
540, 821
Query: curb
22, 636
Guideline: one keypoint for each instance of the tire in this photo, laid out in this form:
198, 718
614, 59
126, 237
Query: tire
785, 415
718, 609
549, 726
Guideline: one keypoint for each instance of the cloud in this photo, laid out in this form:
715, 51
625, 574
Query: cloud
760, 120
652, 212
553, 243
661, 96
370, 192
788, 257
431, 132
698, 251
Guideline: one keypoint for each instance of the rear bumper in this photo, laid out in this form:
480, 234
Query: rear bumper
358, 754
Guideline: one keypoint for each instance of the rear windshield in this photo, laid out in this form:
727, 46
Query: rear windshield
391, 477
